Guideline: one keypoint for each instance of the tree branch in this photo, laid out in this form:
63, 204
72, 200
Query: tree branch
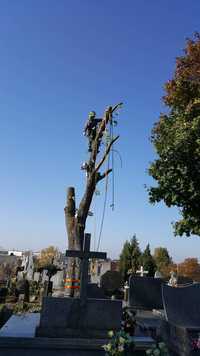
105, 174
106, 153
107, 117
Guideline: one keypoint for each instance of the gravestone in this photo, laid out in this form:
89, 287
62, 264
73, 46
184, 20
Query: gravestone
182, 280
58, 280
48, 285
27, 265
111, 282
80, 317
94, 291
181, 327
44, 276
22, 290
145, 293
36, 276
3, 294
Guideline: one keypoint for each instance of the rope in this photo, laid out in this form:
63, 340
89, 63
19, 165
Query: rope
113, 172
105, 200
104, 206
106, 184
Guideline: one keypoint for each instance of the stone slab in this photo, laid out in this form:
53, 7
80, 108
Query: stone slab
11, 346
149, 322
21, 326
17, 339
145, 293
65, 317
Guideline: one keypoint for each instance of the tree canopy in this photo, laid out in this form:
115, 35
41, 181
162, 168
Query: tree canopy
190, 268
176, 138
162, 258
130, 257
148, 262
47, 256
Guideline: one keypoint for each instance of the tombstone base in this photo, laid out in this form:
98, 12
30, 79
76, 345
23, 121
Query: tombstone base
68, 317
180, 340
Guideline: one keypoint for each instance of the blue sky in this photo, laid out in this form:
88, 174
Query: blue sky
59, 60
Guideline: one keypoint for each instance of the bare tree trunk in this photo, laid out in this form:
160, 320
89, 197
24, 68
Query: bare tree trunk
70, 211
76, 220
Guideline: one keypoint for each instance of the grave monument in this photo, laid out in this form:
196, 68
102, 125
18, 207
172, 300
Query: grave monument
83, 316
181, 327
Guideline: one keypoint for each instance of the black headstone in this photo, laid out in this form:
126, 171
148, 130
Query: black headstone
3, 294
182, 305
22, 287
145, 293
182, 280
93, 291
181, 328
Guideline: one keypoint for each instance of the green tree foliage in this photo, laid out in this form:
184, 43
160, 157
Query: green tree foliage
130, 257
176, 138
162, 258
148, 262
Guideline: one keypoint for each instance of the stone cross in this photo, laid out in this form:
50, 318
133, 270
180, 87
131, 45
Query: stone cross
84, 256
142, 272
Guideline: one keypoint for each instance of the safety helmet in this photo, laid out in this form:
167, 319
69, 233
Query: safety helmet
92, 114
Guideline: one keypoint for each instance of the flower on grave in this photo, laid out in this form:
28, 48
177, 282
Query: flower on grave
122, 340
110, 333
161, 345
119, 344
196, 344
107, 347
120, 348
159, 349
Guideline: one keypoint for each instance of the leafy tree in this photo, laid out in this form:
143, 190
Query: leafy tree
190, 268
176, 138
148, 261
130, 257
162, 258
47, 256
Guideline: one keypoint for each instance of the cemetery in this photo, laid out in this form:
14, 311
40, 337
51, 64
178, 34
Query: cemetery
93, 296
54, 308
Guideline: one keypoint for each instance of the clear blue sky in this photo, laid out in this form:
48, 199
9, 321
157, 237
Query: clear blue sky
59, 60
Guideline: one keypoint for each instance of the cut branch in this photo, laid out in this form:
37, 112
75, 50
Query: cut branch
107, 117
106, 153
105, 174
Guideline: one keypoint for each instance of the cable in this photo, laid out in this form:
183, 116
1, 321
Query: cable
119, 155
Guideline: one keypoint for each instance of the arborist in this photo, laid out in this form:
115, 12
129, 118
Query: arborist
90, 129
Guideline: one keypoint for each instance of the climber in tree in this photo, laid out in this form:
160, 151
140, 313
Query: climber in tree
90, 129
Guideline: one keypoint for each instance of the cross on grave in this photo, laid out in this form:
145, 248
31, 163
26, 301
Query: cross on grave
142, 272
84, 256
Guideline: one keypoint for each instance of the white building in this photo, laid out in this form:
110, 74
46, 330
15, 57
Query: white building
15, 253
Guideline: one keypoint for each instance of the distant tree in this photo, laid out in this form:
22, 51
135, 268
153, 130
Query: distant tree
147, 261
8, 269
47, 256
176, 138
130, 257
190, 268
162, 259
